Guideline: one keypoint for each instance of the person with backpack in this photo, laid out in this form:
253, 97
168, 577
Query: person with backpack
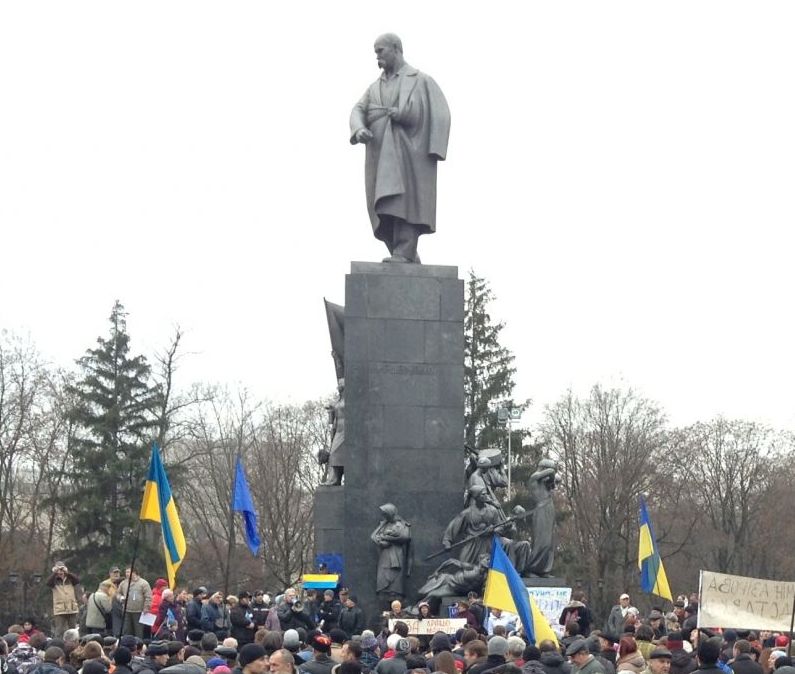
99, 609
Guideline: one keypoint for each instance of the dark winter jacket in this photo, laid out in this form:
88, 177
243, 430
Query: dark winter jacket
46, 668
533, 667
292, 620
555, 663
745, 664
240, 625
395, 665
193, 611
328, 613
491, 662
259, 611
351, 621
683, 662
320, 664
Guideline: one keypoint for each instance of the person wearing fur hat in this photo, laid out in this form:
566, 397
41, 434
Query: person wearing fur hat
321, 662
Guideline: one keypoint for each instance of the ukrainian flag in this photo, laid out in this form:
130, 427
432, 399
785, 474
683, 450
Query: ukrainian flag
506, 590
652, 573
320, 581
159, 506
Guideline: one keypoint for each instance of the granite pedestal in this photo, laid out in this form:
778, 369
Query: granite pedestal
404, 418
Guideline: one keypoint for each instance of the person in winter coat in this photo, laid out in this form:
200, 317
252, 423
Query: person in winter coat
629, 657
351, 617
122, 657
532, 660
98, 610
578, 611
260, 608
215, 617
551, 659
582, 661
618, 614
64, 586
328, 612
743, 662
137, 594
292, 614
595, 649
193, 609
321, 662
157, 593
682, 661
242, 620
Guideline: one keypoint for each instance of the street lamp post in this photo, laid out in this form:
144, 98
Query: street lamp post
508, 415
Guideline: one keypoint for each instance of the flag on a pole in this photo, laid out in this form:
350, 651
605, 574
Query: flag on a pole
652, 573
158, 506
320, 581
242, 503
506, 590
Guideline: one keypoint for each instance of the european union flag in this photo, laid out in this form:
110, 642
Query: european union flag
242, 503
652, 573
158, 506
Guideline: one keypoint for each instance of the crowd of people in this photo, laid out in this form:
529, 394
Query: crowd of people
128, 627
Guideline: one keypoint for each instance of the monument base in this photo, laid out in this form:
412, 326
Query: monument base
552, 581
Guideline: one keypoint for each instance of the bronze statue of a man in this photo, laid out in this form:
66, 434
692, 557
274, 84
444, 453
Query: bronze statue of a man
404, 120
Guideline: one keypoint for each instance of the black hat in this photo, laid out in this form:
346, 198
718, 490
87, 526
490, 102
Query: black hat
244, 595
250, 653
199, 590
94, 667
577, 646
226, 652
108, 641
157, 648
195, 635
128, 641
659, 653
122, 656
175, 647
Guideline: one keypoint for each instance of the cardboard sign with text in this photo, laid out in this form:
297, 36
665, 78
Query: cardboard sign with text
745, 603
431, 625
551, 601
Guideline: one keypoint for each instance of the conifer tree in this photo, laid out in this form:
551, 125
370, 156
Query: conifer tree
488, 367
115, 424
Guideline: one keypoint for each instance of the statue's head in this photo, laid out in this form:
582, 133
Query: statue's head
478, 492
388, 512
484, 463
388, 51
547, 463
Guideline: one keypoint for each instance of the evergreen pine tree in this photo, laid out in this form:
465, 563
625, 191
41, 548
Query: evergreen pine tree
488, 368
115, 424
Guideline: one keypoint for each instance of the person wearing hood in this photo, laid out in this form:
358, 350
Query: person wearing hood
630, 658
577, 610
551, 659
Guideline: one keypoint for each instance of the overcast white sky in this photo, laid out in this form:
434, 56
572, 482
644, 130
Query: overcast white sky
621, 172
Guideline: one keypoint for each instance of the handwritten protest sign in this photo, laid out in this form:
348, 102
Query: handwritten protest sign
745, 603
431, 625
551, 601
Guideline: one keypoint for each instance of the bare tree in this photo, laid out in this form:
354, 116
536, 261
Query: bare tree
608, 445
730, 466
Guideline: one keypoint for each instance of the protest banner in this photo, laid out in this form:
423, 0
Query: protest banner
431, 625
745, 603
551, 601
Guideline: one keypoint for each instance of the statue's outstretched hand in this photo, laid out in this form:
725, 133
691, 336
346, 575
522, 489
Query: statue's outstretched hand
364, 135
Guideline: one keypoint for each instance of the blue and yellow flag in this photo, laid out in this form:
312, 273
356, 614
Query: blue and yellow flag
506, 590
652, 573
320, 581
159, 506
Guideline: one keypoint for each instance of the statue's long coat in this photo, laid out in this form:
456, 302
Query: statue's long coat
400, 162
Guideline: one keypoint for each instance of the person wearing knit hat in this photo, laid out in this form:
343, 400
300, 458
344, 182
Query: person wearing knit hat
212, 663
397, 663
122, 657
94, 667
222, 669
253, 659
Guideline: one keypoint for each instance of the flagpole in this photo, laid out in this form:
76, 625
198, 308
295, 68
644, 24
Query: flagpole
129, 580
231, 529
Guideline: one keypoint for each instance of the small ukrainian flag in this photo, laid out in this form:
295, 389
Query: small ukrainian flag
158, 506
652, 573
506, 590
